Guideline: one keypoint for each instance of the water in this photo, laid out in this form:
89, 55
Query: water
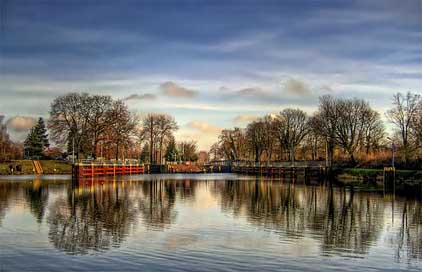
203, 223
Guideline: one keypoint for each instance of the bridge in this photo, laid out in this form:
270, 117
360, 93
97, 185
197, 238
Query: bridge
305, 170
89, 168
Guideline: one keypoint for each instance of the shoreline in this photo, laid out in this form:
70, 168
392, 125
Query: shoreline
26, 167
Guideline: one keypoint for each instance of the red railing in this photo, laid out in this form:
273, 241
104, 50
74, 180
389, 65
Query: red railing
95, 169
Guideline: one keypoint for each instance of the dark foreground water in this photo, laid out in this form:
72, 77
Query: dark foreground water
203, 223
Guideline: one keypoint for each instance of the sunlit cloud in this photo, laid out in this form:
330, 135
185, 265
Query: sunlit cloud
172, 89
20, 123
204, 127
244, 118
146, 96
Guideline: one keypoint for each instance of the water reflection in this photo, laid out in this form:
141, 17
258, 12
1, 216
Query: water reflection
408, 238
157, 204
37, 197
8, 190
95, 216
92, 217
99, 214
343, 220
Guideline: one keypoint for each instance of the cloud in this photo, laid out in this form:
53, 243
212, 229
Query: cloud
20, 123
254, 91
297, 87
170, 88
327, 88
146, 96
204, 127
244, 118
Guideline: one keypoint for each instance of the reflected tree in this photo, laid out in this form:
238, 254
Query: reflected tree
94, 218
7, 189
341, 219
37, 198
157, 204
409, 234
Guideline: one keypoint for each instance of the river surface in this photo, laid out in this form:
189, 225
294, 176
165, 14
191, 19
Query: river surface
203, 222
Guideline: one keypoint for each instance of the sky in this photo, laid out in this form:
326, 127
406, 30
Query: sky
210, 64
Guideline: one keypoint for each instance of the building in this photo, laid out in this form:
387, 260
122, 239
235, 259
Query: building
203, 157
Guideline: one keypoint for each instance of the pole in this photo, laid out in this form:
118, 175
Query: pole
73, 149
393, 147
151, 143
326, 153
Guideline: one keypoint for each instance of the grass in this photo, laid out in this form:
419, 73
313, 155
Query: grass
360, 175
60, 167
49, 167
374, 172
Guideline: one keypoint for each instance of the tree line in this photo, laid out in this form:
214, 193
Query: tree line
93, 126
341, 129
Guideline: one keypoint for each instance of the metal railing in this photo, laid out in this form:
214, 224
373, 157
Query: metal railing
127, 162
283, 164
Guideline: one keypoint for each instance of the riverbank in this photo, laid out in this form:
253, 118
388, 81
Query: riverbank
409, 181
26, 167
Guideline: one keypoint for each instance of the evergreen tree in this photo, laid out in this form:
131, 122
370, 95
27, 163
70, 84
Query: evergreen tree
36, 141
145, 154
41, 131
171, 151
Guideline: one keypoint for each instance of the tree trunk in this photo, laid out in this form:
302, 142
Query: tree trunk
352, 158
94, 147
117, 151
292, 155
151, 143
161, 150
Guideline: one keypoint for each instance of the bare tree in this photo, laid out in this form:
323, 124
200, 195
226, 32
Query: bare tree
166, 125
256, 136
157, 129
122, 126
402, 115
188, 150
215, 152
69, 116
232, 142
417, 126
313, 140
100, 107
269, 139
292, 126
352, 117
324, 123
149, 131
374, 132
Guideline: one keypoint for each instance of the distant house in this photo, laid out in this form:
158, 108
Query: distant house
202, 157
